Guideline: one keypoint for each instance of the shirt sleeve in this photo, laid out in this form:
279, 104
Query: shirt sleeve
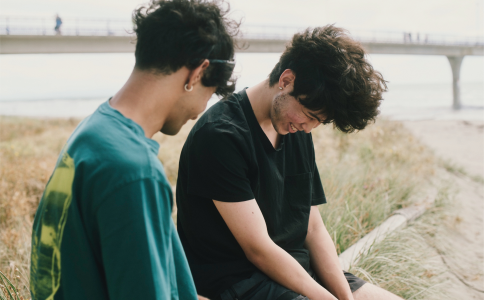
318, 196
136, 237
185, 283
218, 163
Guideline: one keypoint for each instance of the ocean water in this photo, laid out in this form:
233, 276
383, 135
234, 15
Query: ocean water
73, 85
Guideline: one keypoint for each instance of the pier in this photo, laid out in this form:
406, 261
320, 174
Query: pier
33, 36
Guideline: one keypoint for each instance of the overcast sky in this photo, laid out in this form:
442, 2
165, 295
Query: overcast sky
456, 17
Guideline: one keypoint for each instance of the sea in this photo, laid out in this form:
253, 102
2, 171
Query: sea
74, 85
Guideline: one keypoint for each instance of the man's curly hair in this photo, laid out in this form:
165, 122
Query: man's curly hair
333, 77
176, 33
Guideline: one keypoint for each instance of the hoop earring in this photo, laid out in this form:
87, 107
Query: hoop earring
186, 88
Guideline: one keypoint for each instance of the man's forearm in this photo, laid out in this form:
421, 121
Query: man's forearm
247, 224
281, 267
325, 263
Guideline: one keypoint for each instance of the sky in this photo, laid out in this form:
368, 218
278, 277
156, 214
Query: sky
453, 17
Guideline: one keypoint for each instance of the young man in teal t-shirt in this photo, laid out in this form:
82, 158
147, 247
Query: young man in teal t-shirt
103, 229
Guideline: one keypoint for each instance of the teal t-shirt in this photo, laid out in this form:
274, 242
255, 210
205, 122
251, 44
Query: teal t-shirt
103, 229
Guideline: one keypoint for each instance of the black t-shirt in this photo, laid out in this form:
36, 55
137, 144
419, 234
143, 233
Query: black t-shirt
227, 157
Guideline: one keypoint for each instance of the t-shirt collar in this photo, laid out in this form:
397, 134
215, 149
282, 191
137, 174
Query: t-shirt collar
107, 109
254, 124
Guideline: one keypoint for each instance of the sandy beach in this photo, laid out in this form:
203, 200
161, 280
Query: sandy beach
460, 142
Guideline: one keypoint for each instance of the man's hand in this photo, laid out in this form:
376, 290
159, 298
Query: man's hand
247, 224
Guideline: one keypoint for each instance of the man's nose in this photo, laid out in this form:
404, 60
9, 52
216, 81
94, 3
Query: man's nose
306, 127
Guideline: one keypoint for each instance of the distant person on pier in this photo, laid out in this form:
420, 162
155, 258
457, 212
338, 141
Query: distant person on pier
103, 229
248, 187
58, 24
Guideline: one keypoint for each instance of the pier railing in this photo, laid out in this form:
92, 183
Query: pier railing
70, 26
121, 27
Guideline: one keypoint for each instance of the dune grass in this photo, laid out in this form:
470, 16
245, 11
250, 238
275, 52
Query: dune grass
405, 262
366, 175
28, 152
8, 289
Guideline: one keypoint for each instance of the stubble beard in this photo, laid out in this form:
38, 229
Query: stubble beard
275, 113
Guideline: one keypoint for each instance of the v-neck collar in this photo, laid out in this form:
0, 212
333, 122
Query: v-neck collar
254, 124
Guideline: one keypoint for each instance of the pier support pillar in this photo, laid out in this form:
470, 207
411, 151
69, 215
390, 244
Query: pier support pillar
455, 64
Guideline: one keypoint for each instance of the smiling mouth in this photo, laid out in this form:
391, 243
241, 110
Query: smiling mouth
292, 127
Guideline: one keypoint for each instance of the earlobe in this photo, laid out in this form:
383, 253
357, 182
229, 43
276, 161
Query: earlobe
195, 75
188, 89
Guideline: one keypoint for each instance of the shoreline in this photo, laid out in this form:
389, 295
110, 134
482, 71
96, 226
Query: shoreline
61, 108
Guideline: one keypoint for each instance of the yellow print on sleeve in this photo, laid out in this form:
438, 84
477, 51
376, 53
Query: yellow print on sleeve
48, 230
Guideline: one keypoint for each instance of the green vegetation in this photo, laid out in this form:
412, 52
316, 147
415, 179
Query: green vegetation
8, 290
405, 263
366, 176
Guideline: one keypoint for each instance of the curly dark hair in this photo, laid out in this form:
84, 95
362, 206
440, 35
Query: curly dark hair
177, 33
333, 77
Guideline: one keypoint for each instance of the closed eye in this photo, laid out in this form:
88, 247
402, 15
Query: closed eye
314, 117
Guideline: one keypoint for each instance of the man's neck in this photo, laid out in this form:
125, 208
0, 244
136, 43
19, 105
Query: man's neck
146, 99
260, 97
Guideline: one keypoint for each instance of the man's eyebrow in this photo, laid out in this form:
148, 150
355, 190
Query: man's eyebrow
314, 116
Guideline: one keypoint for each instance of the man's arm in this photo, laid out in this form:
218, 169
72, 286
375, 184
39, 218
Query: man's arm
136, 238
247, 224
324, 258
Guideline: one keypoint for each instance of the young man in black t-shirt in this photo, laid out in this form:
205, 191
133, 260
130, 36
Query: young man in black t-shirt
248, 185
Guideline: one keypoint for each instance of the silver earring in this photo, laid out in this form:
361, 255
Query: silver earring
280, 88
186, 88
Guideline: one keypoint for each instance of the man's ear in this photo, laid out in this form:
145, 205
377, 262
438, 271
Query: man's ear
196, 74
287, 78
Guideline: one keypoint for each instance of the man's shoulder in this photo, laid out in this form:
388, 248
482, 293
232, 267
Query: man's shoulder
102, 144
103, 133
224, 117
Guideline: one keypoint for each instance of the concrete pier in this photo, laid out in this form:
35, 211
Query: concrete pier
455, 49
455, 64
35, 44
43, 44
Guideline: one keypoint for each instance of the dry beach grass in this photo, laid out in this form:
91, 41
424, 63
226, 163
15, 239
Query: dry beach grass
366, 176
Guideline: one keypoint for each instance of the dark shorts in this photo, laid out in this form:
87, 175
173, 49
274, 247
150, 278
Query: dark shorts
261, 287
